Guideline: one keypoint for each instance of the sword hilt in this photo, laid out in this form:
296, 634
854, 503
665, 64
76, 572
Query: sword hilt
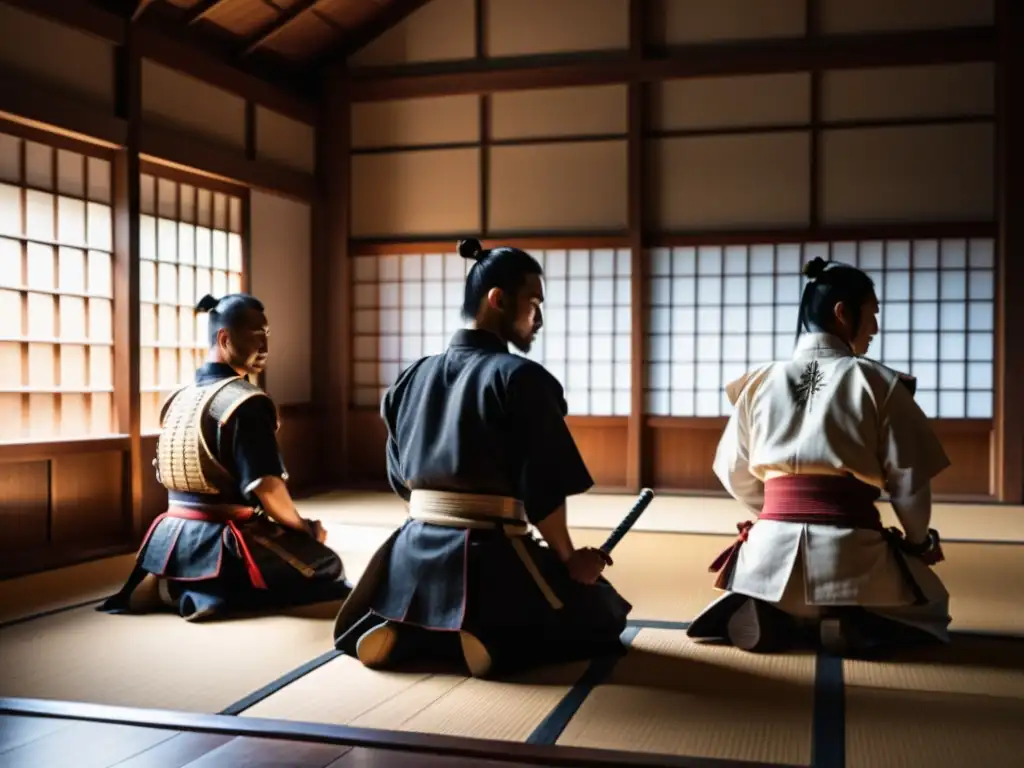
640, 505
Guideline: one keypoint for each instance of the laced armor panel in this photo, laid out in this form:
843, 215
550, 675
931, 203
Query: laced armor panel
184, 461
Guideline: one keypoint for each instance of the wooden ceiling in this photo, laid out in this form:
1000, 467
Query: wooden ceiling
270, 37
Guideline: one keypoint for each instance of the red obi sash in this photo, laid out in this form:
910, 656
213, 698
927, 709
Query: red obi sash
231, 515
838, 500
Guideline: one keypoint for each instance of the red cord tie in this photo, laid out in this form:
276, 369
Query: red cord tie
733, 549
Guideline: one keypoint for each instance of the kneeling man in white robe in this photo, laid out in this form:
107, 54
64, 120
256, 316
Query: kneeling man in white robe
810, 446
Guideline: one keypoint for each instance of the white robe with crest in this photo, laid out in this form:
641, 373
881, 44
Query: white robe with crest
827, 411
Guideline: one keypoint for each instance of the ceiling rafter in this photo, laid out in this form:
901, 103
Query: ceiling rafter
274, 28
201, 10
391, 16
140, 9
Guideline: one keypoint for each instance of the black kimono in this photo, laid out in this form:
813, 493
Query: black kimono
215, 549
480, 420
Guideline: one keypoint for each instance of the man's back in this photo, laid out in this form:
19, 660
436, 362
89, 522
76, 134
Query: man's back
467, 419
827, 411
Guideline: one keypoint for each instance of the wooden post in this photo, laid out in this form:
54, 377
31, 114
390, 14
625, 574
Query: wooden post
127, 199
334, 292
635, 196
1008, 464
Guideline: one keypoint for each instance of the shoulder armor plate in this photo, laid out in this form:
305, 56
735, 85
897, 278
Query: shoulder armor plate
226, 401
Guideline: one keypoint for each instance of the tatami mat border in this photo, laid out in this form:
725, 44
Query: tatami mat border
49, 612
552, 726
285, 680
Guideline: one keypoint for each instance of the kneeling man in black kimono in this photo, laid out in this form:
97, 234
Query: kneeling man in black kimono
479, 449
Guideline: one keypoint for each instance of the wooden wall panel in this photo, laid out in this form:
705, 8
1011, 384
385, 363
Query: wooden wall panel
679, 456
186, 103
525, 27
731, 102
442, 30
87, 498
700, 21
680, 452
366, 456
970, 457
746, 181
410, 122
910, 174
602, 443
299, 440
280, 263
58, 55
851, 16
571, 186
280, 139
591, 111
415, 193
24, 505
949, 90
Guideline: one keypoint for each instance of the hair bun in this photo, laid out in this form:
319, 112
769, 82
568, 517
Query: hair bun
815, 267
207, 303
471, 249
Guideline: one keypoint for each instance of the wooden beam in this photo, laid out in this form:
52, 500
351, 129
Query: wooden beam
203, 156
127, 208
1008, 453
23, 98
274, 28
80, 15
529, 72
158, 43
37, 104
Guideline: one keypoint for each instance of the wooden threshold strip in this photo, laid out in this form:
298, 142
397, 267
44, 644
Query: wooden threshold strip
483, 749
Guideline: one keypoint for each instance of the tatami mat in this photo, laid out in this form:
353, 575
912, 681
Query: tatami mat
960, 706
676, 514
51, 590
343, 692
672, 695
159, 660
156, 660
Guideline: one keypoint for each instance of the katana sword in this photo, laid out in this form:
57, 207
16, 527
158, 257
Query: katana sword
642, 503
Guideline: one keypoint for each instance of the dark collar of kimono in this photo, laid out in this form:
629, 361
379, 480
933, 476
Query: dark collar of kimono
208, 372
477, 339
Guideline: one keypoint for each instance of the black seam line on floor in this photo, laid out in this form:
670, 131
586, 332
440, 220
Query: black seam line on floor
50, 612
551, 727
828, 729
285, 680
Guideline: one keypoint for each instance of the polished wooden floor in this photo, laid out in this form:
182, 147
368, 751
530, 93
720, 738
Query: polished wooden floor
32, 741
38, 742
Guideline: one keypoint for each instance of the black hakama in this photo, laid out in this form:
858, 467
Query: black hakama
479, 420
220, 554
